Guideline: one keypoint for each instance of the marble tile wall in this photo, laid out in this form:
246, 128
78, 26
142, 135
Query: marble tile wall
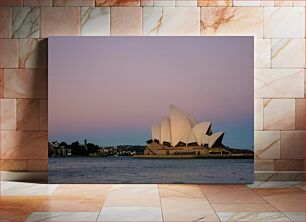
278, 28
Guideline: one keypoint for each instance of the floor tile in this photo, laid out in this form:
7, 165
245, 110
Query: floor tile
276, 184
297, 216
230, 194
263, 207
96, 191
63, 216
71, 204
133, 196
187, 209
274, 216
130, 214
26, 189
173, 190
284, 199
18, 208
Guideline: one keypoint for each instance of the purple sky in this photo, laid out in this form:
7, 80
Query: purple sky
110, 90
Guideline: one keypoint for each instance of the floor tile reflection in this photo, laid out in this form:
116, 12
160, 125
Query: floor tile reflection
251, 216
130, 214
26, 189
18, 208
134, 195
63, 216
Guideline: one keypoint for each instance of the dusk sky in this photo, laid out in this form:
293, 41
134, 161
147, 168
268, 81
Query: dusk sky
110, 90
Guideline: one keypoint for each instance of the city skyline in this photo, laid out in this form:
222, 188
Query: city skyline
111, 90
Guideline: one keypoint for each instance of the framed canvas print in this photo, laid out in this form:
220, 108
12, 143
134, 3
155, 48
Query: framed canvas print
151, 109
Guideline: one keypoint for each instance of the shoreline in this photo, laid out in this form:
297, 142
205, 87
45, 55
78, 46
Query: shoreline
193, 157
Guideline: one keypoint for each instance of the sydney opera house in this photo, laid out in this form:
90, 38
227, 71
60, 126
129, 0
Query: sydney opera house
181, 136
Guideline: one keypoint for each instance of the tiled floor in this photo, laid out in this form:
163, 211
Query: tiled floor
269, 201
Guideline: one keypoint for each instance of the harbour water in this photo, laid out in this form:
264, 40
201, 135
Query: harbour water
131, 170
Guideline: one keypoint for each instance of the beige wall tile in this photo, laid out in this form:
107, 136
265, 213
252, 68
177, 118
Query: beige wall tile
8, 53
117, 3
289, 165
28, 114
305, 83
146, 2
212, 3
24, 144
163, 3
171, 21
246, 3
288, 53
267, 3
292, 145
300, 114
1, 83
95, 21
4, 3
43, 122
186, 3
13, 165
267, 145
8, 114
279, 3
5, 22
25, 83
232, 21
25, 22
278, 22
258, 114
263, 165
299, 3
279, 114
262, 53
37, 2
33, 53
279, 83
51, 17
126, 21
37, 165
73, 2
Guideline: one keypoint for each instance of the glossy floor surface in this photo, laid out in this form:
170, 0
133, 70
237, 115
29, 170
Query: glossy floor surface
269, 201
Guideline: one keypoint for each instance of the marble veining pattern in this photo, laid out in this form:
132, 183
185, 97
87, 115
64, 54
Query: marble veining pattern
25, 22
278, 22
63, 216
232, 21
32, 53
279, 114
171, 21
267, 145
212, 3
253, 216
95, 21
279, 83
285, 49
276, 184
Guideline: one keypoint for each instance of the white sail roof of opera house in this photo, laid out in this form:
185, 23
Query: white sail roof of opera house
183, 128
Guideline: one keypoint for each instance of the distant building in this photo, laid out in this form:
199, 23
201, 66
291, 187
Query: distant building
181, 135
